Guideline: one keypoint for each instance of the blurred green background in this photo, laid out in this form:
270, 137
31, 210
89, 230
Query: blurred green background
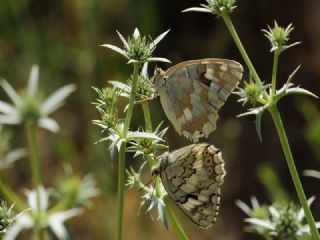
63, 37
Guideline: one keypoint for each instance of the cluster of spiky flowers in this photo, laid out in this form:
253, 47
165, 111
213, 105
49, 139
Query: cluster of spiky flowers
41, 212
277, 221
263, 95
266, 95
145, 142
260, 95
137, 50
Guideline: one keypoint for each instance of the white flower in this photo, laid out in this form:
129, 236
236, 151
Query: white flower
53, 220
28, 107
138, 49
284, 222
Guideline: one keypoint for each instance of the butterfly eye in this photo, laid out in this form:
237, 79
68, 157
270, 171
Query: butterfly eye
165, 78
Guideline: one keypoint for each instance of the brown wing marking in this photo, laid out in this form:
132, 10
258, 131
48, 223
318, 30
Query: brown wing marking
194, 182
197, 102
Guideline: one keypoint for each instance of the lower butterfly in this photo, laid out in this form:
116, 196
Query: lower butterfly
193, 176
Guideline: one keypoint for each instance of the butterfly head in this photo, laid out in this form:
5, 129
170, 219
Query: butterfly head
159, 78
161, 165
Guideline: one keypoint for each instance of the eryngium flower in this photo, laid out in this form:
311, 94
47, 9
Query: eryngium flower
29, 107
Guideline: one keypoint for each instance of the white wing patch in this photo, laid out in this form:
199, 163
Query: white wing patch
192, 92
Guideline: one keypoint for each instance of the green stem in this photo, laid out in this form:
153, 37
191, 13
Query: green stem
132, 99
121, 184
35, 171
62, 205
33, 154
172, 218
293, 171
267, 236
274, 71
146, 114
122, 153
279, 125
243, 52
12, 197
174, 222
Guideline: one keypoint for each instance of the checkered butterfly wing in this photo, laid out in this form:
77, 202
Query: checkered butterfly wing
192, 176
192, 92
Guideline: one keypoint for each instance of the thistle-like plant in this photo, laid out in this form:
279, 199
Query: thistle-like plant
144, 142
35, 216
277, 221
75, 191
265, 96
29, 107
137, 48
40, 213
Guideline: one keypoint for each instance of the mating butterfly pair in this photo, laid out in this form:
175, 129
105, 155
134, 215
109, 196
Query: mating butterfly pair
191, 94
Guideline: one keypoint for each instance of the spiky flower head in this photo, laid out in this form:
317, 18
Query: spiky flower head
215, 7
137, 48
252, 93
106, 104
279, 37
145, 89
30, 107
284, 221
6, 217
74, 190
287, 223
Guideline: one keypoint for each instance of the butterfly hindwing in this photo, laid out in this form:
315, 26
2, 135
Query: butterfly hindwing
192, 92
192, 176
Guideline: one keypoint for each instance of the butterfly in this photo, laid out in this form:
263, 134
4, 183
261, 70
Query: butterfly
192, 176
192, 92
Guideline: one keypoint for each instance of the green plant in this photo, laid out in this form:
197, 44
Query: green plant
266, 95
117, 131
40, 212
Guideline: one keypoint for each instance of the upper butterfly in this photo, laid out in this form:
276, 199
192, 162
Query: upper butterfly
192, 92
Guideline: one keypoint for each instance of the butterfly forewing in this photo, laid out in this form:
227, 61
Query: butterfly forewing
193, 176
192, 92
